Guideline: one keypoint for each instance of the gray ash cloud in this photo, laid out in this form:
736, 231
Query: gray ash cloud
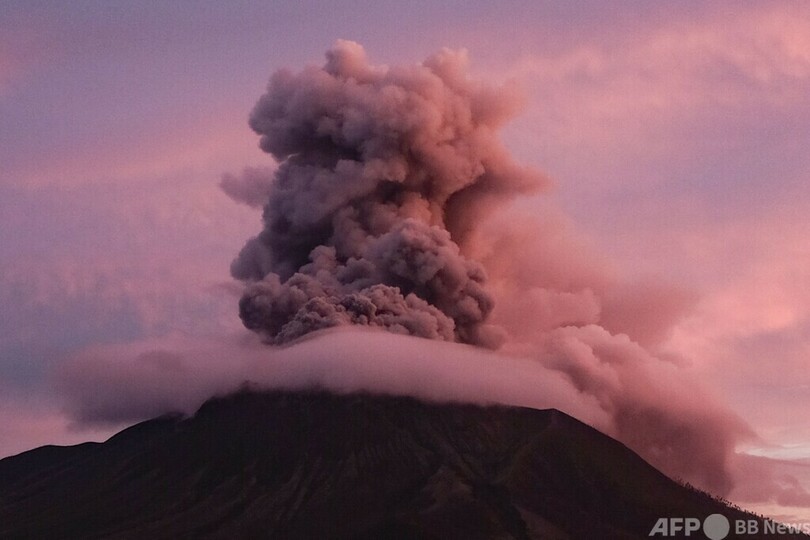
383, 174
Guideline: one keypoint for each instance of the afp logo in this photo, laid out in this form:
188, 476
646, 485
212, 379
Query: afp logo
715, 527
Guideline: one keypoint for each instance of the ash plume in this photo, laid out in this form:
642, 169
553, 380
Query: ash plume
380, 214
383, 173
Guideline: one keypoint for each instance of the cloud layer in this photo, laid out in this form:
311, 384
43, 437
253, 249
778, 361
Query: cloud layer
124, 383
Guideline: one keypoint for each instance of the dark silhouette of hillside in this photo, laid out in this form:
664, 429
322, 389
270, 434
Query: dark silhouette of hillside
318, 465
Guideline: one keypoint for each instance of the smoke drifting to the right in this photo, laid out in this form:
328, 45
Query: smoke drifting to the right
384, 212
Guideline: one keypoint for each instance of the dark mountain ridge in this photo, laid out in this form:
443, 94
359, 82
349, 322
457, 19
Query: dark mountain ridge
318, 465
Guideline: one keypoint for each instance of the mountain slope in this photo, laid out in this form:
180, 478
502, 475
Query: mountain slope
318, 465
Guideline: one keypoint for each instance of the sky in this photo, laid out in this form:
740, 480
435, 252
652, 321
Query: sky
673, 138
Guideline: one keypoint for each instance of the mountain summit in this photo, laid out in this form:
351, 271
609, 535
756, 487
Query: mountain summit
312, 464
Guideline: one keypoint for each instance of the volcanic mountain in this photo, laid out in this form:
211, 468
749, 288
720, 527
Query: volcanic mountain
311, 464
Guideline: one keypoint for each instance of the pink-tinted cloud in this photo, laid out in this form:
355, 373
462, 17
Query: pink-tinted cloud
91, 105
149, 248
647, 310
121, 383
112, 263
676, 145
774, 487
556, 275
570, 311
751, 328
658, 409
686, 63
619, 109
747, 336
567, 308
201, 147
21, 48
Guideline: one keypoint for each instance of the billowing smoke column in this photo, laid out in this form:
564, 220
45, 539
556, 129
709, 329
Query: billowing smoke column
382, 175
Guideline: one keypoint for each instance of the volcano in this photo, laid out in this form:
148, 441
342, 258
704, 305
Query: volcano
313, 464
